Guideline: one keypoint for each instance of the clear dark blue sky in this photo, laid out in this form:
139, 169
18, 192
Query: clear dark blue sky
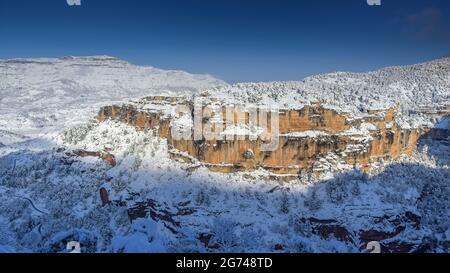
236, 40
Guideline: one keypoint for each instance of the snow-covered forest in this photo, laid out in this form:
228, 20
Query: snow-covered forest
155, 204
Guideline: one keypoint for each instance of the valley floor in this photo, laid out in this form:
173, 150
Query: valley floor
50, 197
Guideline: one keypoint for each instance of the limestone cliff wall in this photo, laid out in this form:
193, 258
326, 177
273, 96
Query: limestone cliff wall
138, 118
296, 152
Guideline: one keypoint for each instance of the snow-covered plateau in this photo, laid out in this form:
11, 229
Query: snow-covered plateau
141, 200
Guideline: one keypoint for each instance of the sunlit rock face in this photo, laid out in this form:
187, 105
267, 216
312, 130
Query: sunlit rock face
311, 140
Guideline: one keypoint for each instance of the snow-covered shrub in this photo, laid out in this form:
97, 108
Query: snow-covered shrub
142, 238
313, 201
297, 226
300, 245
6, 237
284, 203
224, 234
337, 190
77, 134
247, 243
7, 168
16, 208
187, 242
202, 198
355, 188
434, 201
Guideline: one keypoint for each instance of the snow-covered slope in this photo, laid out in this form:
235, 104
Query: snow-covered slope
405, 204
38, 95
408, 86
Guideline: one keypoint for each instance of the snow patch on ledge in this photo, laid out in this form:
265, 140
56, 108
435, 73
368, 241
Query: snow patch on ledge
306, 134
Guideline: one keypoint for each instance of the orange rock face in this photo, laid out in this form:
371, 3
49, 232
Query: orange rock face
132, 116
311, 139
312, 118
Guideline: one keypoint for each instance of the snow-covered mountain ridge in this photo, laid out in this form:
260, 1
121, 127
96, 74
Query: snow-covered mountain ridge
45, 93
410, 87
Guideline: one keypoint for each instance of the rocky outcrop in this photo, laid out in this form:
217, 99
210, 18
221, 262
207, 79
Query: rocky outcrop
312, 139
130, 115
150, 208
104, 196
104, 155
390, 231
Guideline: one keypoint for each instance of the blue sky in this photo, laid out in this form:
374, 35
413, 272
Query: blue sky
236, 40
